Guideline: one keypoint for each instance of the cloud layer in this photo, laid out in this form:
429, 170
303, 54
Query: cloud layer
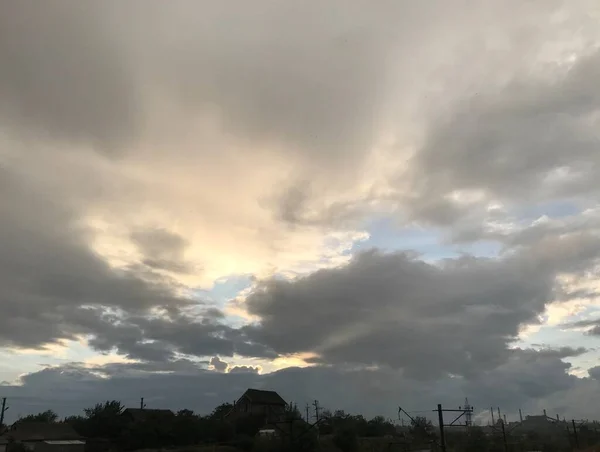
150, 151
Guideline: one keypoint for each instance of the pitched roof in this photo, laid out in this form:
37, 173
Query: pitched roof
39, 431
264, 397
139, 414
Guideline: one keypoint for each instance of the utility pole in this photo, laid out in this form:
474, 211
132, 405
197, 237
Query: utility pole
441, 421
464, 411
307, 415
2, 411
504, 436
492, 411
316, 405
520, 415
575, 434
142, 404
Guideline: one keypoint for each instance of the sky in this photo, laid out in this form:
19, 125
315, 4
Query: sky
371, 205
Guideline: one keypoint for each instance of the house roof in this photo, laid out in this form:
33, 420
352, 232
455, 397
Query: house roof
264, 397
40, 431
139, 414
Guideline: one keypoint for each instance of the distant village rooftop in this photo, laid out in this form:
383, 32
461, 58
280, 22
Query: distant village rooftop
263, 397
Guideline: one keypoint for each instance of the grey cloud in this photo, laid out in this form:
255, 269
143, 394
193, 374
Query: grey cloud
594, 372
527, 377
528, 381
268, 79
161, 339
244, 369
390, 309
64, 74
592, 326
316, 93
48, 271
55, 287
218, 364
81, 72
560, 352
510, 144
162, 250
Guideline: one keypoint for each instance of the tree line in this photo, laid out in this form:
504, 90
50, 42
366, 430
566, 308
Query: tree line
344, 430
106, 421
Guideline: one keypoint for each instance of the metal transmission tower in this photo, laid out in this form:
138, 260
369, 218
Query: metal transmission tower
468, 413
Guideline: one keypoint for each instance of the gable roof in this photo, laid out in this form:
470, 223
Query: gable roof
39, 431
140, 415
264, 397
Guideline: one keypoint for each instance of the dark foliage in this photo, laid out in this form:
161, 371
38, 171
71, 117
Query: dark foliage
346, 440
47, 416
421, 429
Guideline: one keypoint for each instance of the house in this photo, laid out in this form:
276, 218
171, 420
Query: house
136, 415
45, 437
3, 443
257, 402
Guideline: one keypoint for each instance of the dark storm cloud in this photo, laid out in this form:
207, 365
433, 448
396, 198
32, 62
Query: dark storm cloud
53, 286
526, 381
159, 339
594, 372
391, 309
526, 378
47, 270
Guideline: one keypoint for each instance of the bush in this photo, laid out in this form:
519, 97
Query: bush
16, 447
346, 440
243, 442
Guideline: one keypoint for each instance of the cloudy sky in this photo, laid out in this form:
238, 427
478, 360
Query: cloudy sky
372, 204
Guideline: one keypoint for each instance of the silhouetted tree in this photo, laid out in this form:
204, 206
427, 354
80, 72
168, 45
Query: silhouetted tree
378, 426
104, 420
219, 412
292, 412
45, 416
79, 424
187, 428
422, 429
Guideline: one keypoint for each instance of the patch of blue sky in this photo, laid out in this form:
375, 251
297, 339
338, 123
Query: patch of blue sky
554, 336
589, 313
430, 243
225, 289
